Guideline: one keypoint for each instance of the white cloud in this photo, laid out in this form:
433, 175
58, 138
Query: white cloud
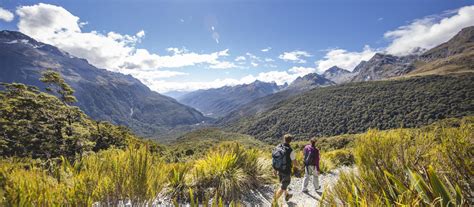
6, 15
254, 64
223, 65
279, 77
269, 60
240, 58
295, 56
301, 71
344, 59
149, 76
141, 34
165, 86
266, 49
429, 32
57, 26
142, 59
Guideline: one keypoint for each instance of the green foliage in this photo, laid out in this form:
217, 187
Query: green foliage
195, 144
340, 157
38, 125
108, 177
325, 144
427, 166
356, 107
57, 85
135, 173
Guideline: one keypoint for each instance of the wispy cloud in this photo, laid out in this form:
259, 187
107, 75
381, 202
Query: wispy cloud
254, 60
215, 34
296, 56
266, 49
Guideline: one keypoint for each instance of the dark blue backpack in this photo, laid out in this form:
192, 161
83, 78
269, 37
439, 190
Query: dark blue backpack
280, 157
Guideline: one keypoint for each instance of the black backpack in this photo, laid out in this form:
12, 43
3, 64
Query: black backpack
280, 157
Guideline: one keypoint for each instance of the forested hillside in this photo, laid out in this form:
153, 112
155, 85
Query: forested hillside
356, 107
40, 125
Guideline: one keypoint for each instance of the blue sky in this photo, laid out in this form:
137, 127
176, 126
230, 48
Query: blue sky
211, 37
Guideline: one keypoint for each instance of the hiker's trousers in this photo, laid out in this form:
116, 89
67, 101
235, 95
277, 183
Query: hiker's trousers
310, 171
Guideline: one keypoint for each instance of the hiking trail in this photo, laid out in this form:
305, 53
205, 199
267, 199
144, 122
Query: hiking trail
264, 195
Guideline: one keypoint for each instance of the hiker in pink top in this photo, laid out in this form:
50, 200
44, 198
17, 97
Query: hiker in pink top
311, 163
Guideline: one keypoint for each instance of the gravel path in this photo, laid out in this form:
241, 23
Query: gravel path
263, 196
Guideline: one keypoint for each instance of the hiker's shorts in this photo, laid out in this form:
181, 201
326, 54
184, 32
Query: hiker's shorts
285, 179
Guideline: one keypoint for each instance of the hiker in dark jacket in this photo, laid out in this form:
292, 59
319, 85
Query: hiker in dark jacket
283, 162
311, 163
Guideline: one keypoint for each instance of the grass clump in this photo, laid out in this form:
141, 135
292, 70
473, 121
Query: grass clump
107, 177
228, 171
427, 166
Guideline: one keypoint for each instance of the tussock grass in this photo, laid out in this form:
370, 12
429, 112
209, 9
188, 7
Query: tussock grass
136, 173
414, 167
230, 170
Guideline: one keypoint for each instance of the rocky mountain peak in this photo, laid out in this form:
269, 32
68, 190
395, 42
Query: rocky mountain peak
337, 74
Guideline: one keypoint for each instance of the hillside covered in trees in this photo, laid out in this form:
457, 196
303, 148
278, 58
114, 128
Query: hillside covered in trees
356, 107
40, 125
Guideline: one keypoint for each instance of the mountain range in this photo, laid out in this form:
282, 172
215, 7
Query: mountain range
102, 94
219, 102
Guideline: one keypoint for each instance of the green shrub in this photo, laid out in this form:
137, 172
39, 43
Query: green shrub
339, 157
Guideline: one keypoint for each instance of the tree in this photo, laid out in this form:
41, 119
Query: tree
57, 85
